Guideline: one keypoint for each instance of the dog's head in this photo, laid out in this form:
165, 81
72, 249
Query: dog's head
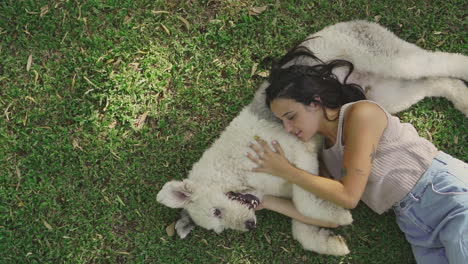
210, 207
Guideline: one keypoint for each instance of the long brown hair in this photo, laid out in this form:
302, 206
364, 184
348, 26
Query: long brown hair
307, 84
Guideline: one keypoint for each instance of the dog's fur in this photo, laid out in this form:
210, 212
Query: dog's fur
394, 73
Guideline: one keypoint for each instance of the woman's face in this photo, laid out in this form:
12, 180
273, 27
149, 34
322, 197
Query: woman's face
301, 120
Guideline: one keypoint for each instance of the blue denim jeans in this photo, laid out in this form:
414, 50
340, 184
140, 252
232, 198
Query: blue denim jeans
434, 215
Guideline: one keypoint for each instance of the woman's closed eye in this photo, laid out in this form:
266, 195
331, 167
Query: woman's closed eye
291, 117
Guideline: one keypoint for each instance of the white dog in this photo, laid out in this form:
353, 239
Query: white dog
221, 192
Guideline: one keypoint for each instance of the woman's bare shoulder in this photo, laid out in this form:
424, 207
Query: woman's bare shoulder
365, 115
366, 111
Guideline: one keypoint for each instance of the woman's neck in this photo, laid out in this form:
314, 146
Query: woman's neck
329, 129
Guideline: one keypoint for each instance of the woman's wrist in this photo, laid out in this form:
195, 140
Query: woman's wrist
265, 203
292, 173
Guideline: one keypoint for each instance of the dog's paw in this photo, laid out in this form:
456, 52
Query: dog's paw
319, 240
345, 218
336, 246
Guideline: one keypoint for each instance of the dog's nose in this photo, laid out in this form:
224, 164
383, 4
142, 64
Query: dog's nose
250, 224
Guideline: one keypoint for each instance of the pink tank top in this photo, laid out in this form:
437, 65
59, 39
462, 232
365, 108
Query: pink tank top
402, 157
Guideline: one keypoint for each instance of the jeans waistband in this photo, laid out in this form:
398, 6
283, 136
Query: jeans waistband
443, 158
440, 162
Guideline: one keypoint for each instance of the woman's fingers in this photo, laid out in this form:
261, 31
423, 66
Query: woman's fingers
257, 161
270, 159
262, 143
256, 148
278, 148
259, 169
265, 148
252, 158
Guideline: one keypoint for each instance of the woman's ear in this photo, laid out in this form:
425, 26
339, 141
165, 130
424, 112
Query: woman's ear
316, 103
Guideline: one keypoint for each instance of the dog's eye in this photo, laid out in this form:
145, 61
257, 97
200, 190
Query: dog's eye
217, 213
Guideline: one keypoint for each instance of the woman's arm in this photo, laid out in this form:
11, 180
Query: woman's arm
323, 170
363, 127
286, 207
362, 133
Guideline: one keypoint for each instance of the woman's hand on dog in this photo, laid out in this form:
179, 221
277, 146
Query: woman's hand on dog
271, 161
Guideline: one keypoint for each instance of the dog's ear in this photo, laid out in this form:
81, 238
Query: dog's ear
184, 225
176, 194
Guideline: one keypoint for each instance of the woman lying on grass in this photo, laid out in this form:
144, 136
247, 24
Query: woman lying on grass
370, 156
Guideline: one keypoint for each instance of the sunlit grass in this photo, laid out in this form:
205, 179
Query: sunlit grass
121, 96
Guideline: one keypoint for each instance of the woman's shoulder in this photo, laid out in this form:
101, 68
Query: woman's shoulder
365, 111
364, 116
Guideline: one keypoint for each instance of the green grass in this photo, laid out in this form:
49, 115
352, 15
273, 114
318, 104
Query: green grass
79, 178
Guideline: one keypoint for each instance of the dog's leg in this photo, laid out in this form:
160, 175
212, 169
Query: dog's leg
381, 55
307, 203
417, 64
399, 73
312, 206
318, 239
407, 61
374, 49
398, 95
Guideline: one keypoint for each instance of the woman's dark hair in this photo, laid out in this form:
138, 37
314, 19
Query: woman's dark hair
306, 84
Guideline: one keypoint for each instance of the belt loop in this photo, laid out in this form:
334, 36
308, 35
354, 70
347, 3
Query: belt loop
441, 161
443, 157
